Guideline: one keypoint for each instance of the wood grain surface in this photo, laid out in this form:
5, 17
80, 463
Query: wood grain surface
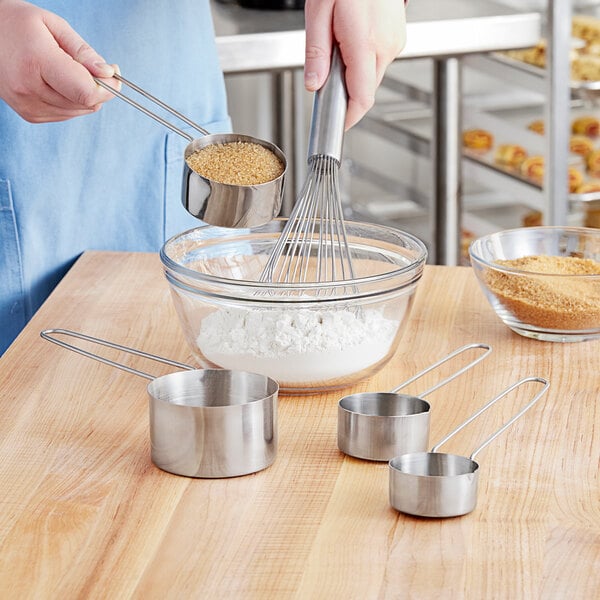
85, 514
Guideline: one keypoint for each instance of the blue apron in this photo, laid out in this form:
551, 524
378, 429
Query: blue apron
111, 180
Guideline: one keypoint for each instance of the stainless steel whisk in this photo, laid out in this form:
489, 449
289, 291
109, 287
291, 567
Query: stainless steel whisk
313, 245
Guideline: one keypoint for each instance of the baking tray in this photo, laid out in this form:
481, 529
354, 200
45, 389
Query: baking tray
509, 126
588, 89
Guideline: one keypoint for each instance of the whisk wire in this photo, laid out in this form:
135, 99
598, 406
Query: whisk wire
313, 245
341, 236
314, 240
294, 267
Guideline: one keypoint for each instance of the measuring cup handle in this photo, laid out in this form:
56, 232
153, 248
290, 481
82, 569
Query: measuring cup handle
489, 404
148, 112
446, 358
48, 334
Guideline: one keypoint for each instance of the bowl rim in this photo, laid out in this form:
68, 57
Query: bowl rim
417, 265
539, 228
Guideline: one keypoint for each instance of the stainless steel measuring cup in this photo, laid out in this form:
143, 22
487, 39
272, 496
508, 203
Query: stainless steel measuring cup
207, 423
216, 203
434, 484
381, 425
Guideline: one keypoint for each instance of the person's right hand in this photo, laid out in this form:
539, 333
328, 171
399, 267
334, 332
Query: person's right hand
46, 68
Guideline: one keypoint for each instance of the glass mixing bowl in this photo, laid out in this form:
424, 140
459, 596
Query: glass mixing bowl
309, 337
543, 282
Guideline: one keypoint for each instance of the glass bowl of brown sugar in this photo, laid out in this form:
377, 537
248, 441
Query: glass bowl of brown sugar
543, 282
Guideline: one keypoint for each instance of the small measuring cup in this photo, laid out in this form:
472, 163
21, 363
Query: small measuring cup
207, 423
381, 425
216, 203
433, 484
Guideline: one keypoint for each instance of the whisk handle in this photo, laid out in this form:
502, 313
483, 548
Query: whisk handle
329, 112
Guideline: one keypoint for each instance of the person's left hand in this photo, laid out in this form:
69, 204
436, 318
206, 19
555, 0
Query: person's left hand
370, 34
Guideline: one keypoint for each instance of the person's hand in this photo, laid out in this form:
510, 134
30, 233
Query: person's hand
46, 68
370, 34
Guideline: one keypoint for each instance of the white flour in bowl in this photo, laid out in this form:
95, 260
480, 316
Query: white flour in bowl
297, 346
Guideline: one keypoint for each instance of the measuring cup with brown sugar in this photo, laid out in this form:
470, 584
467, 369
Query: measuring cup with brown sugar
248, 195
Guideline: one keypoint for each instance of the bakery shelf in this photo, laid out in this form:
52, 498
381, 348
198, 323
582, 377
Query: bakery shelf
507, 71
403, 129
388, 186
509, 126
502, 63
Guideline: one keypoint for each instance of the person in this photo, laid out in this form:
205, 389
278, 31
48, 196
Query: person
370, 36
78, 172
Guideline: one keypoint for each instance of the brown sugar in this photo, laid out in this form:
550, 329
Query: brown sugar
236, 163
549, 298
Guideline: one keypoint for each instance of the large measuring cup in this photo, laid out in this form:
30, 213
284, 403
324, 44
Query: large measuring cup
215, 203
381, 425
206, 423
434, 484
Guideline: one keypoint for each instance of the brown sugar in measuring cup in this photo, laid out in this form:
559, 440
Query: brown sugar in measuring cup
236, 163
232, 203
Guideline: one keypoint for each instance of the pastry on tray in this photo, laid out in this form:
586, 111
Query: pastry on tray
575, 179
532, 218
536, 55
588, 187
537, 126
585, 68
591, 48
585, 27
510, 155
532, 168
478, 139
581, 144
587, 125
584, 60
592, 162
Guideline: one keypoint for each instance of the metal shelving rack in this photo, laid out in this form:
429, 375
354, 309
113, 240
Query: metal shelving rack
552, 84
249, 42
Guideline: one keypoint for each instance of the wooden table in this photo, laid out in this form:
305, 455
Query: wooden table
85, 514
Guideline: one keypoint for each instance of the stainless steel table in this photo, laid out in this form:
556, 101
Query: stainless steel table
255, 40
